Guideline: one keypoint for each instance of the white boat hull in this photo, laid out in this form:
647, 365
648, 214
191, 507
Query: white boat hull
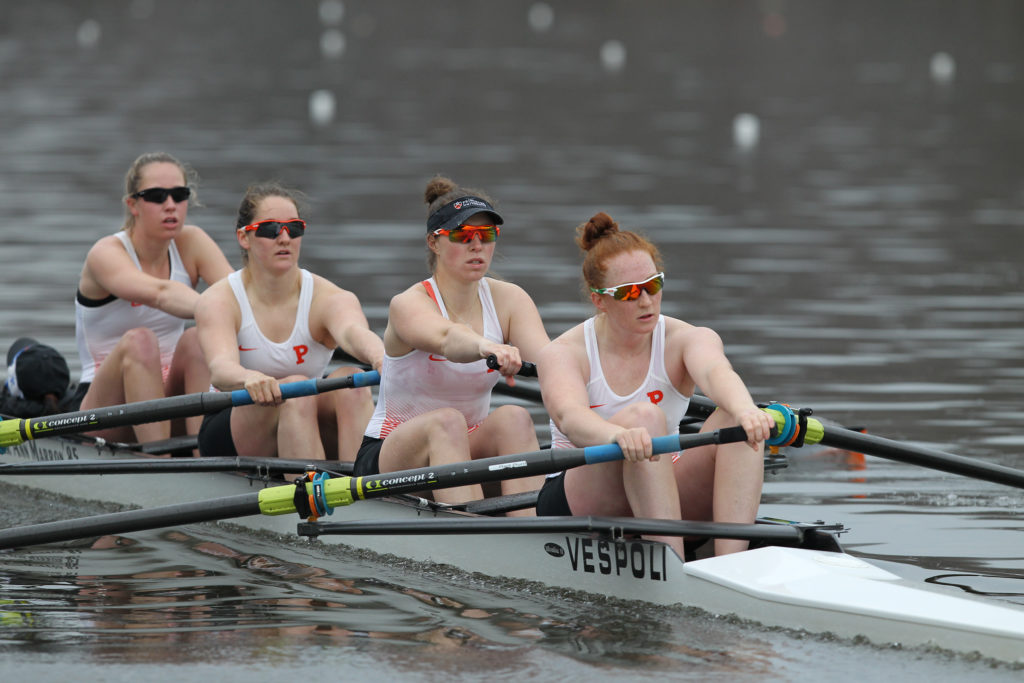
815, 591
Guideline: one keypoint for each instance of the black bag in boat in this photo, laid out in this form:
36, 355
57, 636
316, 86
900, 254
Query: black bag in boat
37, 381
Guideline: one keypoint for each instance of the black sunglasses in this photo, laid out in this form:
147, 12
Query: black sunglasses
271, 228
159, 195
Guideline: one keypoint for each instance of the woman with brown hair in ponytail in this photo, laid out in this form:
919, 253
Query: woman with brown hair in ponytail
626, 375
433, 406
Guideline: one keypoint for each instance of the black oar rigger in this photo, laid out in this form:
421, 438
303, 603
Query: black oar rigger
303, 499
311, 495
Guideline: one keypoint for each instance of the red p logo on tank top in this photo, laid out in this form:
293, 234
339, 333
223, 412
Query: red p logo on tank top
655, 396
300, 351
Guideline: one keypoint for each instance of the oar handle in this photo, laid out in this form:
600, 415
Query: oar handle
528, 369
666, 444
309, 387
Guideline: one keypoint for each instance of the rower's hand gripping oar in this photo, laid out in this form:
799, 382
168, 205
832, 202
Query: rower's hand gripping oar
798, 428
312, 498
16, 431
527, 369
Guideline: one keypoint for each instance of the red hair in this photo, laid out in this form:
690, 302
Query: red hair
602, 240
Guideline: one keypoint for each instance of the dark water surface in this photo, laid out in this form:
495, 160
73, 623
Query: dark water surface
836, 188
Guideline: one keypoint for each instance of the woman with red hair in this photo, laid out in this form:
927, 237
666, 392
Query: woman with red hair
626, 375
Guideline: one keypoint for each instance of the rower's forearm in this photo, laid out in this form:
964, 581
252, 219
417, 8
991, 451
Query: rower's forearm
177, 299
461, 344
587, 428
366, 346
728, 391
227, 375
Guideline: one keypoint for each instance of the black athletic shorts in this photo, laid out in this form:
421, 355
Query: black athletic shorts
215, 436
551, 500
368, 457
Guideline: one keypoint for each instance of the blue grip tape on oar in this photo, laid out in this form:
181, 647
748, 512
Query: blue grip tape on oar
306, 387
671, 443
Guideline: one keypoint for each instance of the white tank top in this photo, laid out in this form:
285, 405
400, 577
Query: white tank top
656, 388
420, 382
100, 323
300, 354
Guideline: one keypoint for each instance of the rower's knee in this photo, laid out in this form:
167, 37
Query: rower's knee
141, 346
298, 406
446, 426
349, 400
512, 421
188, 349
643, 414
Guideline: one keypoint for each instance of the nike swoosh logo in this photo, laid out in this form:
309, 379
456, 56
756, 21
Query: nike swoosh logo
136, 303
597, 406
240, 348
432, 357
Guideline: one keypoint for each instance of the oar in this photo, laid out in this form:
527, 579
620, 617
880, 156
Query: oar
259, 466
320, 496
616, 526
847, 439
16, 431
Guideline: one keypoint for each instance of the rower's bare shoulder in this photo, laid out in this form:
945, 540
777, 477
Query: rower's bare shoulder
219, 293
217, 304
191, 235
324, 287
683, 333
329, 294
104, 248
412, 303
414, 295
505, 289
106, 257
570, 345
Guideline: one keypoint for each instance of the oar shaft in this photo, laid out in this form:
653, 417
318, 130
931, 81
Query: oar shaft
131, 520
14, 432
519, 525
171, 465
925, 457
515, 466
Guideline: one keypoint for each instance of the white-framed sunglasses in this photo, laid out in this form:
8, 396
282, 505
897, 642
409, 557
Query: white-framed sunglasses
632, 290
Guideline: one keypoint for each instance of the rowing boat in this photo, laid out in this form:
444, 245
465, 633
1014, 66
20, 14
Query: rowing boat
795, 576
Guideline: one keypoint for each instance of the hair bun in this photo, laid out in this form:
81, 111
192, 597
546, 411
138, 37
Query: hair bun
438, 186
599, 225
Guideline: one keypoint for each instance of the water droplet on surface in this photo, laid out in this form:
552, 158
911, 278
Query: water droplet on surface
321, 107
89, 33
943, 68
746, 130
540, 17
613, 55
331, 12
332, 43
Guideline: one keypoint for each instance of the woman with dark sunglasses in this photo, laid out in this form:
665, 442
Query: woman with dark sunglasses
273, 322
433, 406
136, 290
626, 375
